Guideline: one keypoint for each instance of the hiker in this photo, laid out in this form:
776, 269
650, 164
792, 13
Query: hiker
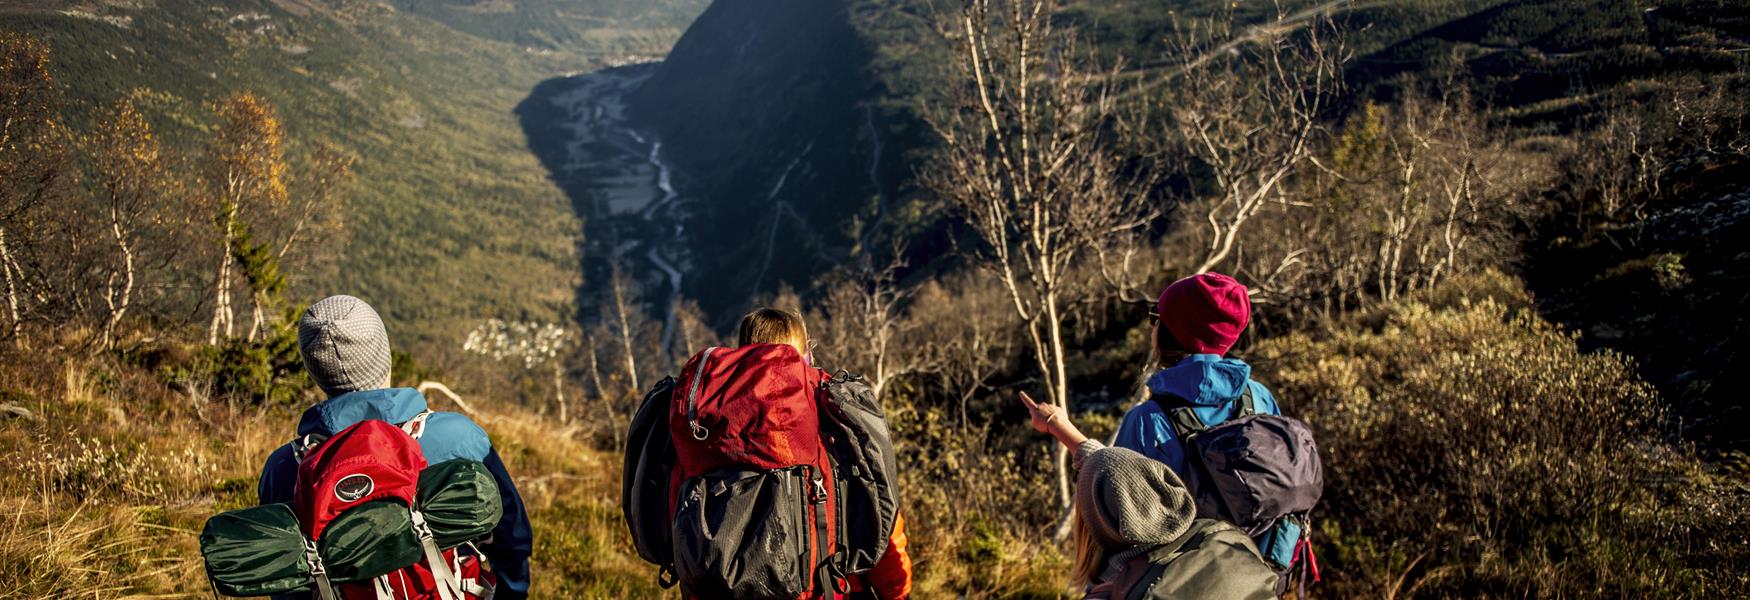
346, 352
1137, 534
1196, 321
755, 475
891, 577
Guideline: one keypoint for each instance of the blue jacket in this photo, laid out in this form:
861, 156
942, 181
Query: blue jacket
447, 436
1209, 383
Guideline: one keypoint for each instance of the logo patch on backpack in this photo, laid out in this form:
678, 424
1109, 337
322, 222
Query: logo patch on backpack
353, 487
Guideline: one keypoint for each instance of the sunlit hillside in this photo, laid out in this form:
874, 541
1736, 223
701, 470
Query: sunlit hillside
1494, 252
450, 221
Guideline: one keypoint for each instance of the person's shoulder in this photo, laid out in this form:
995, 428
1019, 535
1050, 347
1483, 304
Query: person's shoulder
454, 435
280, 456
1142, 409
1262, 393
277, 474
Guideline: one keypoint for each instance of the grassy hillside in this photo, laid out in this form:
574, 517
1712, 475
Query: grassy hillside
451, 220
109, 472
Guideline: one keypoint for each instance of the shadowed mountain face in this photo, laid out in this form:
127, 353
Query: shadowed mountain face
763, 105
744, 160
616, 175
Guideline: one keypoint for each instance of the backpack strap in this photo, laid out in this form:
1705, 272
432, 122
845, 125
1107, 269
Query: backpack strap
324, 587
303, 446
449, 586
415, 426
1185, 422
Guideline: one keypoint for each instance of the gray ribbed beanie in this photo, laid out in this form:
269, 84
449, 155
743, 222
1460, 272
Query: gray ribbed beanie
344, 345
1128, 499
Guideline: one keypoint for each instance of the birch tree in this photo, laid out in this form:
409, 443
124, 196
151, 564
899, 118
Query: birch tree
134, 189
863, 325
245, 175
1028, 161
32, 155
626, 319
1245, 112
316, 213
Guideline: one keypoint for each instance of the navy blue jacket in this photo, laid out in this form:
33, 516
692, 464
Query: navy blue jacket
447, 436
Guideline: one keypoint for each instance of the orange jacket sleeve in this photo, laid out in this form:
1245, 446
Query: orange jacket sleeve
891, 577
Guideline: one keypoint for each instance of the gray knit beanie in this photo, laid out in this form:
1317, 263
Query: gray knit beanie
344, 345
1128, 499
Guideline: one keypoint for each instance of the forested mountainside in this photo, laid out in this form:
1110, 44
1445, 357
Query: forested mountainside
449, 220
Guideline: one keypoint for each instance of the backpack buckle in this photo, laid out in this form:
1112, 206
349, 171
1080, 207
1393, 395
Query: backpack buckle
818, 494
314, 559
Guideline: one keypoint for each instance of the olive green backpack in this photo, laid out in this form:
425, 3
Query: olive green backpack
262, 551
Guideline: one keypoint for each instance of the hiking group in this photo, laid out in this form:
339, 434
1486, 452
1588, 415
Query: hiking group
754, 473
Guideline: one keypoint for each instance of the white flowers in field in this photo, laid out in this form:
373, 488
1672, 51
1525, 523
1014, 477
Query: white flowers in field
531, 343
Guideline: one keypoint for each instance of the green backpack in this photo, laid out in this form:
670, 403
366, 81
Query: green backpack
1213, 560
262, 551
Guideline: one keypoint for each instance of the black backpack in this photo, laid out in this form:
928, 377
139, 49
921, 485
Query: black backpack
854, 431
1251, 470
644, 482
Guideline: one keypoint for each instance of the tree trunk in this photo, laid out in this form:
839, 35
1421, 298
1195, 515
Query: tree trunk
626, 334
221, 299
1060, 388
119, 303
595, 378
10, 267
255, 315
559, 394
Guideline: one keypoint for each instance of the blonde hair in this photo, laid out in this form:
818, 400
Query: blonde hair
1090, 554
766, 325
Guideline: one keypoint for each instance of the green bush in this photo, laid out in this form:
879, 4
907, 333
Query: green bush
1474, 450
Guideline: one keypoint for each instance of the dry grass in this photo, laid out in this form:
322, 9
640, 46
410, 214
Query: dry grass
103, 490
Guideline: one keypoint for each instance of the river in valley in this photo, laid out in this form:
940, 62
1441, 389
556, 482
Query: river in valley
624, 188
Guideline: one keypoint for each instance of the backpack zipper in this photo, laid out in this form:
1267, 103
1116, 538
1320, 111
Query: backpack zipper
699, 431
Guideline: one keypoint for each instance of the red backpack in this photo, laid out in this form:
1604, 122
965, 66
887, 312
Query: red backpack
751, 494
375, 461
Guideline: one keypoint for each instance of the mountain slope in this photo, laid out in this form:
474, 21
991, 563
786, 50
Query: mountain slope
451, 219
